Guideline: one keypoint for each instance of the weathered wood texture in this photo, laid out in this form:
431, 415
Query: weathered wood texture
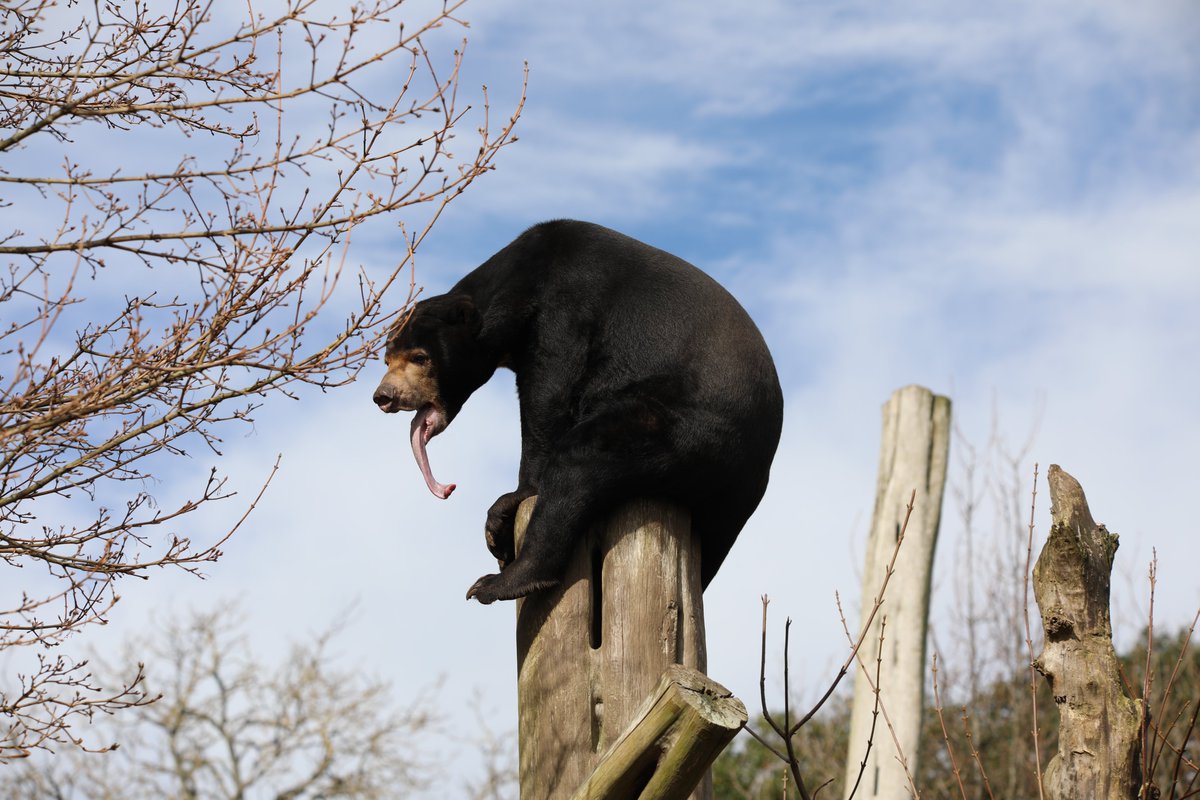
682, 727
913, 456
1098, 742
589, 653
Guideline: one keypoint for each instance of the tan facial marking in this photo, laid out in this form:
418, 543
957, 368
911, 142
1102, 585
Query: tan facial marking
411, 375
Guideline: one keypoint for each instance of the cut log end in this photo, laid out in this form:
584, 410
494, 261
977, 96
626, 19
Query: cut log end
681, 728
715, 704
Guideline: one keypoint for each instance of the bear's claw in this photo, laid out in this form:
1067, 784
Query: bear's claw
491, 588
485, 590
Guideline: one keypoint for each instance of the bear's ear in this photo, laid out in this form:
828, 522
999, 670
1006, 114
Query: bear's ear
459, 309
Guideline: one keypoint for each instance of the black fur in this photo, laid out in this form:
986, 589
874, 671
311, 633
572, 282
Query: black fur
638, 376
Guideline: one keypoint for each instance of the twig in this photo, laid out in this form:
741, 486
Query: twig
1033, 674
857, 644
937, 707
987, 785
862, 765
1148, 741
1180, 754
875, 688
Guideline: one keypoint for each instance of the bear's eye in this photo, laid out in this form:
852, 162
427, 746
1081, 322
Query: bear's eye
420, 359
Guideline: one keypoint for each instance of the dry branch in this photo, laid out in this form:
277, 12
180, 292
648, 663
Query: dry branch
233, 724
180, 182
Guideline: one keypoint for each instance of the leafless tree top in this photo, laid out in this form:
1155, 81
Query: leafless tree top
180, 180
232, 724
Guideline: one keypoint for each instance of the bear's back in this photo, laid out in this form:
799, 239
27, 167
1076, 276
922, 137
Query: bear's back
643, 303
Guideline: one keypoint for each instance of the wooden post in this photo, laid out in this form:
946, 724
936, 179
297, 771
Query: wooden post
681, 729
916, 445
1098, 731
590, 651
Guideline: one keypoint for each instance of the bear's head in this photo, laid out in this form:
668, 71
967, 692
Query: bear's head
434, 362
434, 358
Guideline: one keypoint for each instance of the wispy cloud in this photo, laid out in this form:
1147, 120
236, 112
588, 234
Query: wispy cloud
592, 168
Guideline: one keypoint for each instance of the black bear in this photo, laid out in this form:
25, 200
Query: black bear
638, 376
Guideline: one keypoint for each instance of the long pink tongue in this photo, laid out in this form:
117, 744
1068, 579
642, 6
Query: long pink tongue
422, 431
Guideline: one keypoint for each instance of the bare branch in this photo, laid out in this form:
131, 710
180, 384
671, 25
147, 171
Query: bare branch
149, 310
225, 724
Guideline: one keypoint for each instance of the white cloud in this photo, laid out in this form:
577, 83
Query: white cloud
754, 59
591, 169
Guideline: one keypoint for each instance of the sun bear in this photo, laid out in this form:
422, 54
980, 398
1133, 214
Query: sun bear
638, 375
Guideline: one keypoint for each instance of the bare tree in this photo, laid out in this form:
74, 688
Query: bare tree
229, 725
179, 181
497, 752
981, 639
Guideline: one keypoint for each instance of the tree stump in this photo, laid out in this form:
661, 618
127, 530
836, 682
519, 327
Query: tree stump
1098, 737
590, 651
913, 456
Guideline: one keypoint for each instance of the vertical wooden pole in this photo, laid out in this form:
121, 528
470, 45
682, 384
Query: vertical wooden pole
590, 651
916, 444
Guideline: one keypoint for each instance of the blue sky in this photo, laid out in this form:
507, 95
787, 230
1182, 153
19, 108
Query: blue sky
998, 201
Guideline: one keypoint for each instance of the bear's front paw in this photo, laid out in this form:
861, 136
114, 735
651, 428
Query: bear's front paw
491, 588
484, 590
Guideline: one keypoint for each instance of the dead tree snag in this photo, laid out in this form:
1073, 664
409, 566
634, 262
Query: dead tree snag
1098, 722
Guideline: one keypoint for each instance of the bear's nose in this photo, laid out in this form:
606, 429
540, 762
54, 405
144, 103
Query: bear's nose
384, 397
